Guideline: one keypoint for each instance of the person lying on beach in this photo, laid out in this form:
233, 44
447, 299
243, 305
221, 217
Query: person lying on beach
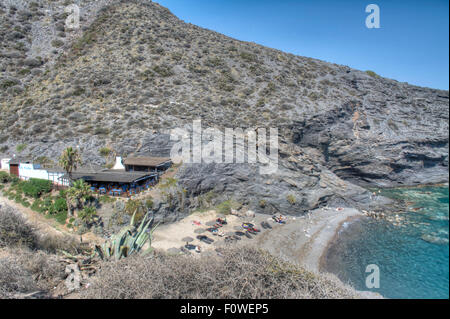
222, 221
247, 225
266, 225
205, 239
184, 250
280, 219
219, 233
229, 239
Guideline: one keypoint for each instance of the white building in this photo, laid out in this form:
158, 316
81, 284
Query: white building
4, 163
31, 170
118, 164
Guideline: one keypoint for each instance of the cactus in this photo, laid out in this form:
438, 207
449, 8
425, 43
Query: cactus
128, 240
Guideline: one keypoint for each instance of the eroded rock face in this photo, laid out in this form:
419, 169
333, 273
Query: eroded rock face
385, 137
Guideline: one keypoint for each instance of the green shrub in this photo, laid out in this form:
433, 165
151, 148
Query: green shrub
106, 199
61, 217
4, 177
35, 187
18, 198
104, 151
57, 43
224, 208
60, 205
87, 214
149, 203
291, 199
101, 131
24, 71
36, 206
135, 206
47, 205
15, 180
163, 70
21, 147
248, 57
372, 74
8, 83
168, 182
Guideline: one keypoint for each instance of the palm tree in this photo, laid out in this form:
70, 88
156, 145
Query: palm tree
88, 214
69, 161
78, 194
79, 191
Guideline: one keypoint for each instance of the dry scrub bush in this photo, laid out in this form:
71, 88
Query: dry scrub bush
53, 244
25, 263
236, 273
15, 231
23, 271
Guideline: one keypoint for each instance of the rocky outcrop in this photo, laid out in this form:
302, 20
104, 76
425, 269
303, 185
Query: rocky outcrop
386, 137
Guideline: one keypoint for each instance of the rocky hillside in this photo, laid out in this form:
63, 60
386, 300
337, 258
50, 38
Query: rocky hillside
134, 70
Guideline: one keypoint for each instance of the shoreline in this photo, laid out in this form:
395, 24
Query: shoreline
305, 240
351, 219
442, 184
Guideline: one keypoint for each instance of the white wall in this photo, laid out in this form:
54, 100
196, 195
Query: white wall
27, 171
4, 163
118, 164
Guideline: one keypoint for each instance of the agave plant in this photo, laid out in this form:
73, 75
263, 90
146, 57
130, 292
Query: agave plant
128, 240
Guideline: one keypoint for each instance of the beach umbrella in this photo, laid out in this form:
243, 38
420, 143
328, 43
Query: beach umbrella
199, 231
187, 239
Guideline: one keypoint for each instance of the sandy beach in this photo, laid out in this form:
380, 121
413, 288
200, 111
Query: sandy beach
302, 240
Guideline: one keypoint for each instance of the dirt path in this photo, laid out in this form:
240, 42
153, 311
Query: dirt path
45, 225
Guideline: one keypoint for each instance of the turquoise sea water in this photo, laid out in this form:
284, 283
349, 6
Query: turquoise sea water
410, 249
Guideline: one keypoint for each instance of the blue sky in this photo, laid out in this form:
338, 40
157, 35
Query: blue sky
411, 45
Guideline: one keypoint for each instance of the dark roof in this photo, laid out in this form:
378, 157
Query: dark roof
18, 160
146, 161
54, 169
110, 176
90, 168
